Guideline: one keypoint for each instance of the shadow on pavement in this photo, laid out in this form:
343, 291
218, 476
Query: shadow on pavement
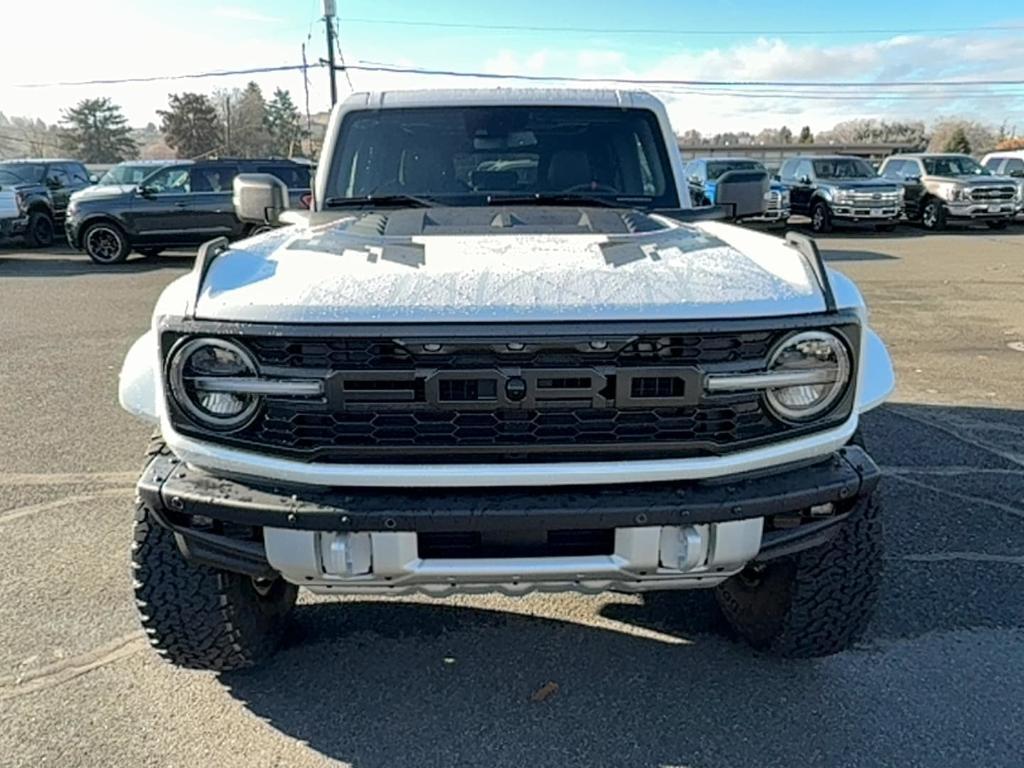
659, 682
844, 255
36, 264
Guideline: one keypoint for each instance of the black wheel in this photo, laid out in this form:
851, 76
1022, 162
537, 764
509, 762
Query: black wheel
821, 218
1000, 224
149, 253
105, 243
933, 215
39, 233
817, 602
199, 617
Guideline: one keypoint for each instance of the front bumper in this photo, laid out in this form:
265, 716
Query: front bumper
772, 216
856, 213
362, 540
981, 211
13, 227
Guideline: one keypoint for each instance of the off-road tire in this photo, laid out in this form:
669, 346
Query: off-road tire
933, 215
199, 617
821, 218
815, 603
105, 243
39, 232
998, 224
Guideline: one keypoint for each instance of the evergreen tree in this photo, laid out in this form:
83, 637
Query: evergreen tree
95, 131
190, 125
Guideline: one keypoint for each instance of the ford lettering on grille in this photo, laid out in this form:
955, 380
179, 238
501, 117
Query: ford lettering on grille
516, 388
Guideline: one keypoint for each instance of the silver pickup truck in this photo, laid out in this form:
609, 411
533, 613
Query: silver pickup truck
503, 353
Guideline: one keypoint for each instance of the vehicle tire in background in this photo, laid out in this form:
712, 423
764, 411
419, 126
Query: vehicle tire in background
821, 218
817, 602
933, 215
149, 253
1000, 224
105, 243
40, 231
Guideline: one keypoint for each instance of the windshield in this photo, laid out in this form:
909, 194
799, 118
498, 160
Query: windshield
127, 174
843, 168
22, 172
473, 155
953, 165
719, 167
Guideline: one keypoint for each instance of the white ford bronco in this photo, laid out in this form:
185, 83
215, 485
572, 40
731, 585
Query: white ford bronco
503, 353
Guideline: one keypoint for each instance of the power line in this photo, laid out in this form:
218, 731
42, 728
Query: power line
375, 67
679, 31
158, 78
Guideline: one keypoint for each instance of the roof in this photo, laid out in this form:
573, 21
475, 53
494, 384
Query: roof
580, 97
17, 160
728, 159
825, 157
933, 154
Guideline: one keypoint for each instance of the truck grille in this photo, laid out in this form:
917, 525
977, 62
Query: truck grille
992, 194
516, 398
879, 199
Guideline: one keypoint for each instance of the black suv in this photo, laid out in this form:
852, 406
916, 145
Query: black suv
42, 189
839, 188
185, 203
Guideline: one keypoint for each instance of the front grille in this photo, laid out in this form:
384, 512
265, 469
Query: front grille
879, 199
992, 194
518, 397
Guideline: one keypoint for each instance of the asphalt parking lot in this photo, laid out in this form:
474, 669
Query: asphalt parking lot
938, 681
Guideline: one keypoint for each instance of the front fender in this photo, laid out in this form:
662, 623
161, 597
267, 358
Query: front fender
877, 377
137, 383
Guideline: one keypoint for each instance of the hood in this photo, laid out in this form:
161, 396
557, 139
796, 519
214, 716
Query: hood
503, 264
974, 180
865, 185
102, 192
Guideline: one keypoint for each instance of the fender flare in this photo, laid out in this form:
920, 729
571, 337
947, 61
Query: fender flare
138, 382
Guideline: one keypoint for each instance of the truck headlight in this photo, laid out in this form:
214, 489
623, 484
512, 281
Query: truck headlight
843, 196
819, 361
952, 192
208, 378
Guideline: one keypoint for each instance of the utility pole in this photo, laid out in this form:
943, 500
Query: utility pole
227, 125
329, 13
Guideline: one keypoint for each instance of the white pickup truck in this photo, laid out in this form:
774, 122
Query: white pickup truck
503, 353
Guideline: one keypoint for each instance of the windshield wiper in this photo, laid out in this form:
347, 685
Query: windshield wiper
569, 198
379, 201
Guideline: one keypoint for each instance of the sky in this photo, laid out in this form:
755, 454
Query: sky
867, 41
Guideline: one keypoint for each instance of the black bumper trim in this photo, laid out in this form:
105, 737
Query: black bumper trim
181, 492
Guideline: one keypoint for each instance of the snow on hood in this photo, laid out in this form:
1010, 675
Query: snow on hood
348, 272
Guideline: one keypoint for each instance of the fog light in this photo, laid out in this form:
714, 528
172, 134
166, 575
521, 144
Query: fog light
345, 554
684, 548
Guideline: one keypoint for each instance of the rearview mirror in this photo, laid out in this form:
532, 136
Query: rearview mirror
259, 198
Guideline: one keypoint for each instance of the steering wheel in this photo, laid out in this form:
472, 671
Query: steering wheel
593, 186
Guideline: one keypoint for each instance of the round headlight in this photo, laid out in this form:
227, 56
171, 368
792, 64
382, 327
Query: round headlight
207, 380
818, 364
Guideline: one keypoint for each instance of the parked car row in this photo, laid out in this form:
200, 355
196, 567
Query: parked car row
930, 189
140, 205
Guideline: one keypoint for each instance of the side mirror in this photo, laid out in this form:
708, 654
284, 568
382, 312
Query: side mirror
805, 180
144, 191
1017, 174
742, 192
259, 198
93, 178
